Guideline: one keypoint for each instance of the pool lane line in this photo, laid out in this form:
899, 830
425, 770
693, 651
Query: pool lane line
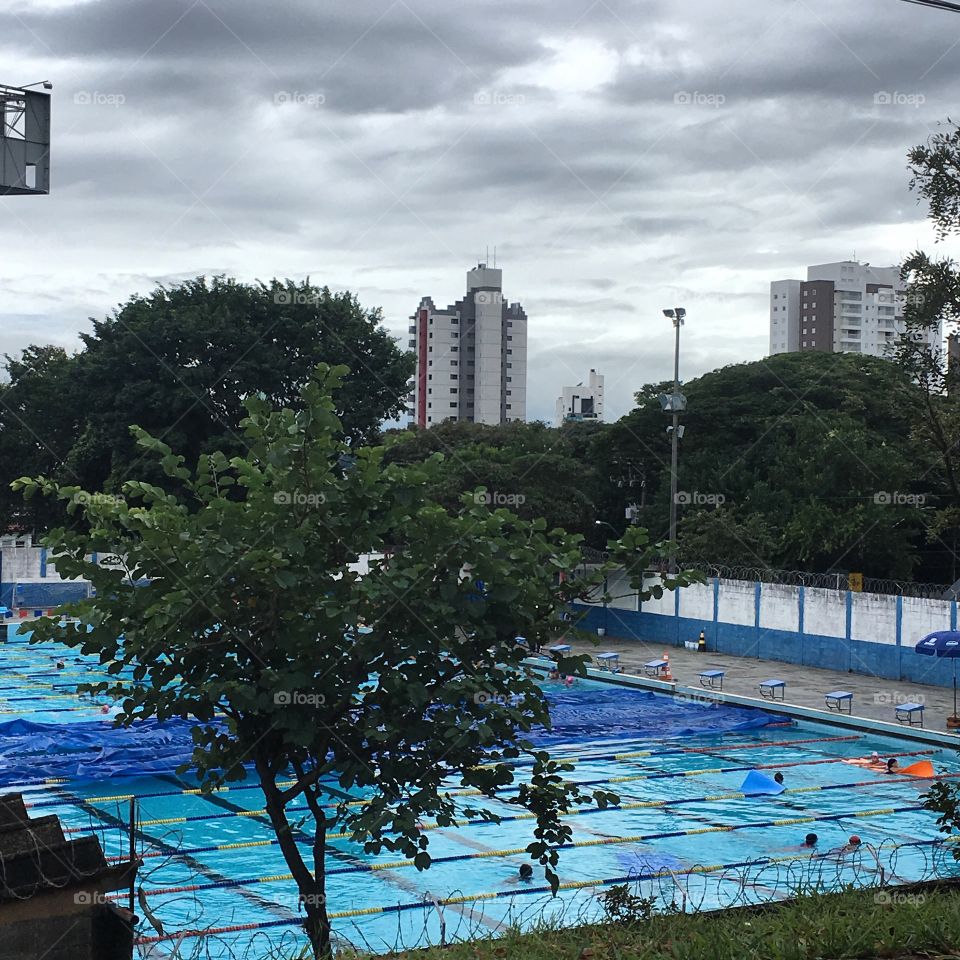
630, 755
519, 851
512, 892
622, 808
165, 848
608, 756
580, 783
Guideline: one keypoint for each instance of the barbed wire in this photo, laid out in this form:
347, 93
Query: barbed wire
800, 578
459, 915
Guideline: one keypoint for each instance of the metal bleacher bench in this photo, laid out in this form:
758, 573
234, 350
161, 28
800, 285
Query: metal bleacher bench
905, 712
609, 661
838, 699
561, 649
653, 668
769, 688
712, 679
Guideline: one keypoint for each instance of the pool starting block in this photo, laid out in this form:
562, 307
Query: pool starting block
839, 699
770, 688
609, 661
654, 668
905, 713
712, 679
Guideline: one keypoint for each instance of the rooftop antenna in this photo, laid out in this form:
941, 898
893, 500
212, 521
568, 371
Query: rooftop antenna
494, 257
486, 259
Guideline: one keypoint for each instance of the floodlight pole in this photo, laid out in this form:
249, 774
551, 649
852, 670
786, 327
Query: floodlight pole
676, 315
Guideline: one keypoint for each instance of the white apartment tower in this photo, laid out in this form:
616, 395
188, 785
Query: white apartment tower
582, 402
845, 307
471, 357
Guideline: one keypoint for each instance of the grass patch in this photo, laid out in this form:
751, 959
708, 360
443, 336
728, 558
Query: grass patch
902, 922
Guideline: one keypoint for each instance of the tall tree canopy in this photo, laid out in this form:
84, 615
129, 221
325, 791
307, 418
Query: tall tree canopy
181, 361
535, 471
784, 462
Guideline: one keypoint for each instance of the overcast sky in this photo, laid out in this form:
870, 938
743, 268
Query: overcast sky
621, 156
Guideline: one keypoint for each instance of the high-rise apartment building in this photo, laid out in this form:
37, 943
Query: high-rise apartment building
471, 357
582, 402
845, 307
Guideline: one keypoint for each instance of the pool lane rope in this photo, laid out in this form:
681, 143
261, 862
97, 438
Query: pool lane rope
259, 812
514, 892
517, 851
121, 797
586, 811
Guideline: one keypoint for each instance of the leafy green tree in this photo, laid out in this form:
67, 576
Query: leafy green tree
180, 362
798, 455
536, 471
399, 683
933, 300
39, 417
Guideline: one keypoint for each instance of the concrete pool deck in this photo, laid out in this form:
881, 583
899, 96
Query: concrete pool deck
874, 698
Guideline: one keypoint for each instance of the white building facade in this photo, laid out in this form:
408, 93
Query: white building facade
471, 356
843, 307
581, 402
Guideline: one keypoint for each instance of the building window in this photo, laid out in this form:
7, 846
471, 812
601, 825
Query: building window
509, 352
454, 376
454, 363
454, 320
454, 349
454, 404
509, 365
509, 337
454, 334
429, 376
508, 406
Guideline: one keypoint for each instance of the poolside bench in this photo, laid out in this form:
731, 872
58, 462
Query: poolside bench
712, 679
769, 688
653, 668
838, 699
609, 661
905, 713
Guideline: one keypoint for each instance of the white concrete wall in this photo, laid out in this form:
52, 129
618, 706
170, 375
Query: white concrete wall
665, 605
873, 618
696, 601
779, 607
921, 617
824, 612
737, 602
618, 586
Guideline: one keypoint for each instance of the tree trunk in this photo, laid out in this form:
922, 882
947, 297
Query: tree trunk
311, 886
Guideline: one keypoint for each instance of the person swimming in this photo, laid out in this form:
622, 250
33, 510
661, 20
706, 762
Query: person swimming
778, 777
810, 841
893, 766
525, 872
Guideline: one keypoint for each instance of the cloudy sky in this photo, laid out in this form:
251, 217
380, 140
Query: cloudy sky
621, 156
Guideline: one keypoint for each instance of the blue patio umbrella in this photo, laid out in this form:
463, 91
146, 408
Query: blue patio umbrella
943, 643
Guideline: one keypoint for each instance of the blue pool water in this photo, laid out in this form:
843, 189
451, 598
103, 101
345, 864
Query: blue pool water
677, 766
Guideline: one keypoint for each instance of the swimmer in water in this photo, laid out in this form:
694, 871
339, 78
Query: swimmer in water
778, 777
893, 766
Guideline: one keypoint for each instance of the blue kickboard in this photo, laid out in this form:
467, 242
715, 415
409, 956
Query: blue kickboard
758, 784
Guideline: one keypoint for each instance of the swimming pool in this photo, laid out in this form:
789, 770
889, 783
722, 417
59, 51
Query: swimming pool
682, 831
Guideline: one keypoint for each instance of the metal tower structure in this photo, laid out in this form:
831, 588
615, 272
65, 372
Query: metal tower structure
24, 141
